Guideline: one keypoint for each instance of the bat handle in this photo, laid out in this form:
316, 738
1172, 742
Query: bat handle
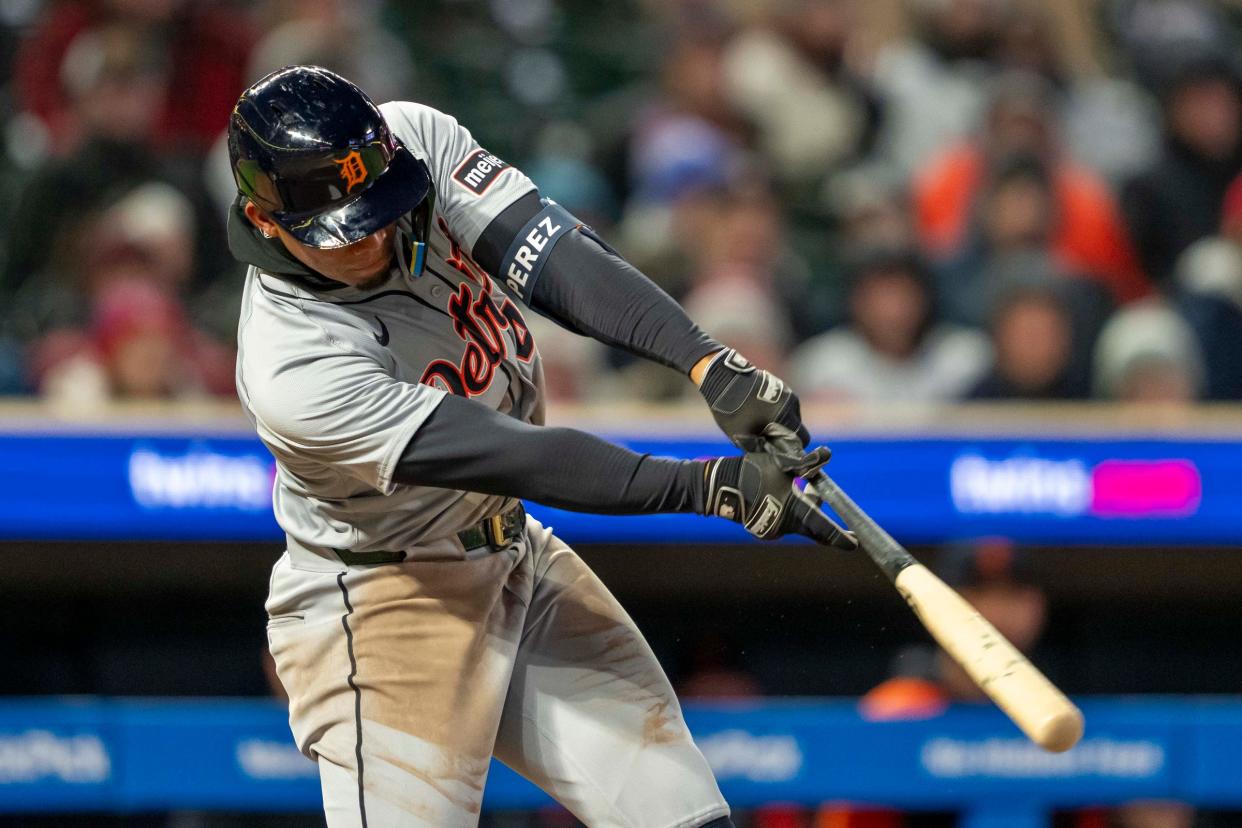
888, 554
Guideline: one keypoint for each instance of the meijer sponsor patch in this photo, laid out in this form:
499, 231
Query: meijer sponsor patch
478, 171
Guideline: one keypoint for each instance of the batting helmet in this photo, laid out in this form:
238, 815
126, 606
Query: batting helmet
314, 152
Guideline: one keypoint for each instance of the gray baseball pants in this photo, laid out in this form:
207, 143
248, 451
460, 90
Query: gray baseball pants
405, 679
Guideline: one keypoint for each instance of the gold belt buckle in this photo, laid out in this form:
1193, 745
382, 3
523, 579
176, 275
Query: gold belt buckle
496, 528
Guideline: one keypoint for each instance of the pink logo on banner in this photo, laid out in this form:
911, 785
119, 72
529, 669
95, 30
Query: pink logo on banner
1145, 488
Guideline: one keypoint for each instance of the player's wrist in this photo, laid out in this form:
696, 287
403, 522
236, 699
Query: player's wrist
698, 482
699, 372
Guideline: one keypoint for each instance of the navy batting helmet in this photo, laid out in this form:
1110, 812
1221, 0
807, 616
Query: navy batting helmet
313, 151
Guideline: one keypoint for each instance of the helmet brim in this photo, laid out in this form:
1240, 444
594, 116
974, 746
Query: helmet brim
397, 191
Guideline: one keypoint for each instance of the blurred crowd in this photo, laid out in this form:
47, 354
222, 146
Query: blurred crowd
915, 200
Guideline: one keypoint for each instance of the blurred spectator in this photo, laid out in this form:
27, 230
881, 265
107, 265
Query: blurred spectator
1209, 294
1151, 815
1147, 353
345, 37
139, 346
562, 169
157, 220
893, 347
686, 149
1178, 200
746, 238
1153, 34
741, 312
690, 136
871, 207
1109, 123
574, 367
664, 241
1015, 215
1033, 336
934, 85
791, 78
1043, 329
1086, 235
866, 207
734, 234
743, 281
148, 233
204, 43
115, 76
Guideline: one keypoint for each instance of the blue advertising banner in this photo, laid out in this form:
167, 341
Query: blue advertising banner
58, 757
924, 490
238, 755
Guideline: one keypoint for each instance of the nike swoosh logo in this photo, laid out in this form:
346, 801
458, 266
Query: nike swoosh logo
382, 336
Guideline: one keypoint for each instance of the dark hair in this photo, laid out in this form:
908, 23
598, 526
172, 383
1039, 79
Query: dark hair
862, 262
1193, 66
903, 259
985, 561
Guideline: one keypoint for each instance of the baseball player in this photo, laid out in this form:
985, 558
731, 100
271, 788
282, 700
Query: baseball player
420, 621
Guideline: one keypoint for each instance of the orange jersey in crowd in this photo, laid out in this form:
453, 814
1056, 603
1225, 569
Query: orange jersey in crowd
1089, 235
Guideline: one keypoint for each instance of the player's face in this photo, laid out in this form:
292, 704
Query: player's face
358, 264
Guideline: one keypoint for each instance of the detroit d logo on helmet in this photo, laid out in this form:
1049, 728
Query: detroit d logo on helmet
352, 170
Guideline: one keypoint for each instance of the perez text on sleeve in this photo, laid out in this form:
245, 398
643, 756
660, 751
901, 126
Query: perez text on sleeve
584, 285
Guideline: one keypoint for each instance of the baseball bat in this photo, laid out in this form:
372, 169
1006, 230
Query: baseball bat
1025, 694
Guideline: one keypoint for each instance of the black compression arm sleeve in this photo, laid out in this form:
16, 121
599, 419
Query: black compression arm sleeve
589, 289
468, 446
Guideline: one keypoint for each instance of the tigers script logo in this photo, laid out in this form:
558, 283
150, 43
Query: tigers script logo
480, 322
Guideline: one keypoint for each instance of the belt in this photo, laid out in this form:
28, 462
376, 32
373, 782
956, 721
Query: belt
497, 532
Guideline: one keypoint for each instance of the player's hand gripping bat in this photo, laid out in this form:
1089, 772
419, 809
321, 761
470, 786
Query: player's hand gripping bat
1018, 688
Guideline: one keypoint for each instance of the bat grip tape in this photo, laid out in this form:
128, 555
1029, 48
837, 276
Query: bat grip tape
888, 554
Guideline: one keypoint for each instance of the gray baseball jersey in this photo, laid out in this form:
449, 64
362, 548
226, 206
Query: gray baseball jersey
338, 380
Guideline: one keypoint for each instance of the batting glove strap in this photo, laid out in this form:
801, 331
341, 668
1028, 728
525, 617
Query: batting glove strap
755, 490
758, 491
724, 497
749, 404
736, 492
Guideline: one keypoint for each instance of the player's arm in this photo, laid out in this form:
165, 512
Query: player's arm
468, 446
344, 409
562, 269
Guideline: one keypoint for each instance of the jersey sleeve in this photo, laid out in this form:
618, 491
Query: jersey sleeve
344, 411
473, 186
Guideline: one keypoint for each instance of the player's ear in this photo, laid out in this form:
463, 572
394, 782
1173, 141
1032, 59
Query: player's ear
260, 219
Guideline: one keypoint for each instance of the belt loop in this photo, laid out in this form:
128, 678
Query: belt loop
368, 558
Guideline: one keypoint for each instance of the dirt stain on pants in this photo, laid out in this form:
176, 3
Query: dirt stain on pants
522, 654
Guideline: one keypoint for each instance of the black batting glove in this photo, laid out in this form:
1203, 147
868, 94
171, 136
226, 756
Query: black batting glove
751, 405
758, 491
